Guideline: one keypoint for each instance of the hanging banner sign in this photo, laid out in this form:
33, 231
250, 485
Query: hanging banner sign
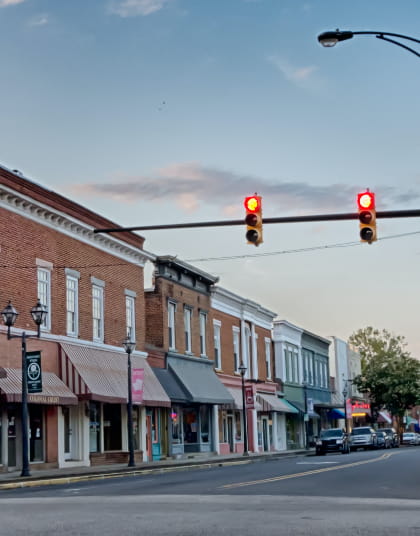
34, 372
249, 398
137, 381
310, 405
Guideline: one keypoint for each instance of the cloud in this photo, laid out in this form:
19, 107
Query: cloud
191, 185
39, 20
135, 8
6, 3
297, 75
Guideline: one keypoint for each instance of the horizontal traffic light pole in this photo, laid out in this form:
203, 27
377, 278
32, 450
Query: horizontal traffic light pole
286, 219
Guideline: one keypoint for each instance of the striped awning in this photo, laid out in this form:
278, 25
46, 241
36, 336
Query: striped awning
54, 391
100, 374
271, 402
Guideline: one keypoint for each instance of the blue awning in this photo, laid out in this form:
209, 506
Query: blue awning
336, 414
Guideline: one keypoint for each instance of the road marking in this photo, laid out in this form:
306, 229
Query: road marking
306, 473
313, 463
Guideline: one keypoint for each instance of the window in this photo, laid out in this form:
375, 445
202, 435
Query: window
268, 358
236, 355
171, 324
44, 295
291, 356
187, 329
72, 305
203, 333
98, 312
217, 344
130, 317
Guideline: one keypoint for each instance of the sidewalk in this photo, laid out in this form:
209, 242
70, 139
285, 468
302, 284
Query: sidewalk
10, 480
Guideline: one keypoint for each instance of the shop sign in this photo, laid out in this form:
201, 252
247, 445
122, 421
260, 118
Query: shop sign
360, 408
33, 372
137, 381
249, 397
310, 405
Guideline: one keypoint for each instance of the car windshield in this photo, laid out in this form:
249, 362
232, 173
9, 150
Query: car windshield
408, 434
380, 433
360, 431
331, 433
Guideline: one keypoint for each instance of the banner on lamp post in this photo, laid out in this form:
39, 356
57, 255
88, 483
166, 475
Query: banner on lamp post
137, 381
34, 372
249, 398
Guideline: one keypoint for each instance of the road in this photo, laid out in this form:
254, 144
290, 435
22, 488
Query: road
362, 493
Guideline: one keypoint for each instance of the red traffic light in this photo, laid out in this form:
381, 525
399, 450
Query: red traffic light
366, 200
252, 203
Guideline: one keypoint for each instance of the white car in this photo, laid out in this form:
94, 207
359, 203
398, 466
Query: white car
410, 438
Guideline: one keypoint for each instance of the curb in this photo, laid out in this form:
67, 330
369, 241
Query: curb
49, 481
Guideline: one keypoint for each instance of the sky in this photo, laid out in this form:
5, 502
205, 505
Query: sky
154, 112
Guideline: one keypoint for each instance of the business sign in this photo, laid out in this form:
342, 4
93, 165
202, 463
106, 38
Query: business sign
310, 405
137, 382
249, 397
359, 409
34, 372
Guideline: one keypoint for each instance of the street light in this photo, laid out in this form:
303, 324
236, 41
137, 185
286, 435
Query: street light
242, 369
345, 393
306, 416
9, 314
129, 347
330, 39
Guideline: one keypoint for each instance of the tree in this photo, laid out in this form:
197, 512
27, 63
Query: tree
390, 376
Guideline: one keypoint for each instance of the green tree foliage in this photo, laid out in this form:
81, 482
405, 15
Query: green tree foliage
390, 376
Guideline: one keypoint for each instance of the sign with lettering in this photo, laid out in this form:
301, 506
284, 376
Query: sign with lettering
34, 372
249, 397
361, 408
137, 381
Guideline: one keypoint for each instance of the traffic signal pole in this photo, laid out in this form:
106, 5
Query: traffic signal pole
415, 213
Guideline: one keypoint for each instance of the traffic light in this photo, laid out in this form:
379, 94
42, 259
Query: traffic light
253, 219
367, 216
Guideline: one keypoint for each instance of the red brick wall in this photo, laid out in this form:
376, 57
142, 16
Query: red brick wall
26, 240
157, 333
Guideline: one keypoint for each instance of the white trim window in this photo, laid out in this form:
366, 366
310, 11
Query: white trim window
267, 343
72, 306
171, 325
98, 312
236, 348
203, 333
187, 329
44, 295
217, 325
130, 317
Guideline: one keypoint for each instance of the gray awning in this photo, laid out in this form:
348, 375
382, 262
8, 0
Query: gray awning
199, 380
237, 400
171, 385
301, 407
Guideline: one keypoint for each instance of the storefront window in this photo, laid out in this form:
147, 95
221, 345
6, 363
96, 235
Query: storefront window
112, 427
238, 426
11, 434
155, 426
176, 425
136, 421
205, 423
94, 427
36, 433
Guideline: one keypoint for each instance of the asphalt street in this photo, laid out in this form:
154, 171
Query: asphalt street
362, 493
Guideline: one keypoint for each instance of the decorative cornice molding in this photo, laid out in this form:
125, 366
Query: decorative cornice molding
63, 223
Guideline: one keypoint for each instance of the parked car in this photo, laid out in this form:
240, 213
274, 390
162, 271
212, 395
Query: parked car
410, 438
363, 437
384, 439
395, 437
332, 440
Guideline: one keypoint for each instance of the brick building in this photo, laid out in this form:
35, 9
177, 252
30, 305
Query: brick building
92, 285
180, 344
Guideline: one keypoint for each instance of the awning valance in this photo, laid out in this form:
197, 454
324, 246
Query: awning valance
100, 374
271, 402
199, 380
54, 391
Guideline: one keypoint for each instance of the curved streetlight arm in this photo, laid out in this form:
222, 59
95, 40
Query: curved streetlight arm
331, 38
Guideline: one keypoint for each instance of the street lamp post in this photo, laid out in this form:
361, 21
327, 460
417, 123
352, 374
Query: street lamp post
330, 39
129, 347
242, 370
10, 315
306, 416
345, 393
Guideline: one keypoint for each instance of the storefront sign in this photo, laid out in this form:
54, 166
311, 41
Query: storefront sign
249, 397
310, 405
360, 409
33, 372
137, 380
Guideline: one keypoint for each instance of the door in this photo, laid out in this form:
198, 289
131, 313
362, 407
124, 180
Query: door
230, 433
67, 433
266, 439
149, 438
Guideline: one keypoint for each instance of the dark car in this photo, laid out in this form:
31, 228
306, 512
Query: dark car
332, 440
395, 437
384, 439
